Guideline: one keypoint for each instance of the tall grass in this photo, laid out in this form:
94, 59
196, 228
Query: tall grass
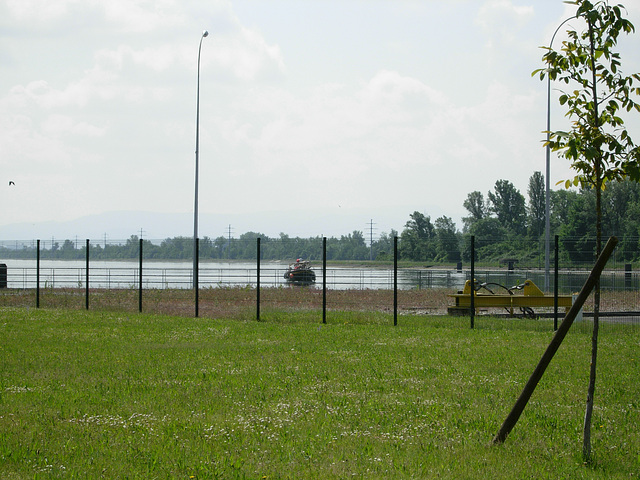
124, 395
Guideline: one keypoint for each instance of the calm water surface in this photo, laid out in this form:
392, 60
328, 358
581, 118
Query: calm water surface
179, 274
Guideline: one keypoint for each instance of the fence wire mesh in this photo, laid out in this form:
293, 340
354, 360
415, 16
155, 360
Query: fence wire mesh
228, 278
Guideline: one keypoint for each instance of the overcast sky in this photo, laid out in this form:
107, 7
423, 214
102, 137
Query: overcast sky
376, 107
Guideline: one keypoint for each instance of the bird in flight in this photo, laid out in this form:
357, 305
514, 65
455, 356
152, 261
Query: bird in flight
11, 182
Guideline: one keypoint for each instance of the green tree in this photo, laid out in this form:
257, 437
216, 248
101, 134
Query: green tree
132, 248
477, 208
447, 243
246, 245
416, 240
178, 248
617, 199
352, 247
508, 204
620, 203
491, 239
69, 251
620, 207
598, 145
576, 232
561, 201
536, 205
383, 247
220, 246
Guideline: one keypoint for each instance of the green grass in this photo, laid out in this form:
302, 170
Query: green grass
116, 395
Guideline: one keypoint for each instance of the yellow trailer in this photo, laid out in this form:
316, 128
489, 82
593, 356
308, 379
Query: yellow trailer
530, 298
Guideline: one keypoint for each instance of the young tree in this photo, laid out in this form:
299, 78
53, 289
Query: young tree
598, 145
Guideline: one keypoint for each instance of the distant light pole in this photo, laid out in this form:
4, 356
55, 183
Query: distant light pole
195, 208
547, 202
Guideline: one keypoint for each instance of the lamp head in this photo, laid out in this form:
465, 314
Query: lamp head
205, 33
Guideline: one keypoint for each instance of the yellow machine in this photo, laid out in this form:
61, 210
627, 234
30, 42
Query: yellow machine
530, 298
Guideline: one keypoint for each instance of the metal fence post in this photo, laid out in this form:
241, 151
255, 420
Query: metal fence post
196, 262
86, 283
258, 281
472, 308
38, 276
140, 281
395, 280
555, 285
628, 279
324, 279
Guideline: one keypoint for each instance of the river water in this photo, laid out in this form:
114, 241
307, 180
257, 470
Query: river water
163, 274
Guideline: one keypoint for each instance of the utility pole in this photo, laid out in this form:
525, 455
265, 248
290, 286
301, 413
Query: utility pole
371, 224
229, 243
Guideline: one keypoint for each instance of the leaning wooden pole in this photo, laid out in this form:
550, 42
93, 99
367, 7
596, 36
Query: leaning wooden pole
562, 331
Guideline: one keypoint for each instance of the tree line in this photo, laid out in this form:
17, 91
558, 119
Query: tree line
505, 224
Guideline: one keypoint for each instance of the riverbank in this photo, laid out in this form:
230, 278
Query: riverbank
242, 302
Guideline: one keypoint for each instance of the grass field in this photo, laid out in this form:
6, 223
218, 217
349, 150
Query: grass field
87, 394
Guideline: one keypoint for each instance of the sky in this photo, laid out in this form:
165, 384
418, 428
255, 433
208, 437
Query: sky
344, 113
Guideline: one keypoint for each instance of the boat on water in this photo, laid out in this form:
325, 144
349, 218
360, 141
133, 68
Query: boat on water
300, 273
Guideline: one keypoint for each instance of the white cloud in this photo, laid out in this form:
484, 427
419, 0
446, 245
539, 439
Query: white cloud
392, 124
57, 125
496, 14
502, 21
39, 10
76, 94
393, 95
288, 95
142, 16
245, 53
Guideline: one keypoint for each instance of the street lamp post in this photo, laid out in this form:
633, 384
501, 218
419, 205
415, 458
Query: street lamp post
547, 202
195, 208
